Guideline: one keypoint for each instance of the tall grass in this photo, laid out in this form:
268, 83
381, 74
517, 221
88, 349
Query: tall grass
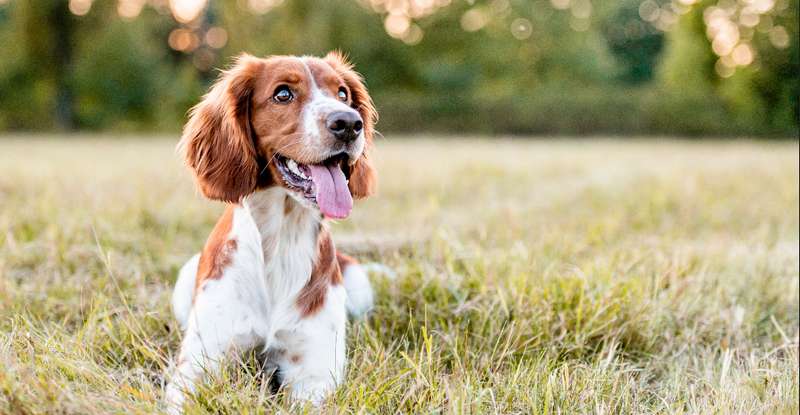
534, 277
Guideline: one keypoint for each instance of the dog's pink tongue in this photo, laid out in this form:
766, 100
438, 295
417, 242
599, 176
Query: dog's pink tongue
333, 196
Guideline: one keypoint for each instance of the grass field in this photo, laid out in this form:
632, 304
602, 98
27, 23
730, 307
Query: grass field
534, 277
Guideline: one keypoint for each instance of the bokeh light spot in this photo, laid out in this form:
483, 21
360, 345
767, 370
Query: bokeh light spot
413, 35
186, 11
397, 25
649, 11
723, 70
80, 7
749, 19
779, 37
521, 28
581, 9
666, 19
129, 9
183, 40
263, 6
722, 46
500, 8
216, 37
742, 55
474, 19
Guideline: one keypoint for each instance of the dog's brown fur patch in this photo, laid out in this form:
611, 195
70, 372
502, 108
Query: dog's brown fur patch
218, 251
326, 272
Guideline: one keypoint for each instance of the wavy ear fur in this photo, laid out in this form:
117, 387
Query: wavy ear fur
217, 140
363, 178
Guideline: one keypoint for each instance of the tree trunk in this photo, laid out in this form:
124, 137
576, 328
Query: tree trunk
61, 21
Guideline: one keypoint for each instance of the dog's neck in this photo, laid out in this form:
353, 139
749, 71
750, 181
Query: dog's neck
288, 232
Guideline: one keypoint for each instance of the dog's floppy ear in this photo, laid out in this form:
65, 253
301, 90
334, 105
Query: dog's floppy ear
217, 142
363, 179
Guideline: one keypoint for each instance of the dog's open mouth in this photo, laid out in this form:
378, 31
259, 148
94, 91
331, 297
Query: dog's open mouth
323, 184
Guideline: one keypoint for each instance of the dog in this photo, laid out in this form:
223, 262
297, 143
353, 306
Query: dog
285, 142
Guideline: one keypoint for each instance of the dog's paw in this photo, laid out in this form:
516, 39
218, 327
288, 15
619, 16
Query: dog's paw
360, 297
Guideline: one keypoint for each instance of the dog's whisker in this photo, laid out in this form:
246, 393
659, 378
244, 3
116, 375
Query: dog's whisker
275, 153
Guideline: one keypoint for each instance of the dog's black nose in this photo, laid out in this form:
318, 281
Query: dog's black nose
345, 125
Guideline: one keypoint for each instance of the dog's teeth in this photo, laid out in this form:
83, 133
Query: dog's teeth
294, 169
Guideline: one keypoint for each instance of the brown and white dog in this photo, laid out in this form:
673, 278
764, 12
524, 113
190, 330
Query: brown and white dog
285, 142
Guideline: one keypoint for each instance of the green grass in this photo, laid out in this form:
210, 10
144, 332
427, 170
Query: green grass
534, 277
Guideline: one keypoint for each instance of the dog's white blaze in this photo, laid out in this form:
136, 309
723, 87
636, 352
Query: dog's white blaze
317, 109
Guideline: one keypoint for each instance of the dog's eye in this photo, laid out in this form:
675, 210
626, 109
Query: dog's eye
283, 94
342, 94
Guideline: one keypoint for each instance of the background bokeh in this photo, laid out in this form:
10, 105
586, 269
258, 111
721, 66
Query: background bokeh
572, 67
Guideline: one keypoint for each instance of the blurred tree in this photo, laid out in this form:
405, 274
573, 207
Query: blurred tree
42, 40
634, 43
688, 64
759, 91
519, 66
116, 85
769, 91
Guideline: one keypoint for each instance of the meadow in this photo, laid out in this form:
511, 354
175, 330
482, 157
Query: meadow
532, 277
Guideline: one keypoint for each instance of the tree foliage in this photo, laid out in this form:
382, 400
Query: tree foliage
502, 66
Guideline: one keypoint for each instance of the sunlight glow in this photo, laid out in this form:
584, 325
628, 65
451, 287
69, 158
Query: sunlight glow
183, 40
521, 28
130, 9
649, 11
400, 16
216, 37
730, 27
397, 25
742, 55
80, 7
186, 11
474, 19
723, 68
263, 6
779, 37
413, 35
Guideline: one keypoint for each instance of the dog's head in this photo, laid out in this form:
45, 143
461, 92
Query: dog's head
302, 123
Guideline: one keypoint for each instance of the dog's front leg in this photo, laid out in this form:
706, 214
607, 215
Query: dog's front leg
311, 354
215, 330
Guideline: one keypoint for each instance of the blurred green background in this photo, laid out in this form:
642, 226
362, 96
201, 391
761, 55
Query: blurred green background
572, 67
